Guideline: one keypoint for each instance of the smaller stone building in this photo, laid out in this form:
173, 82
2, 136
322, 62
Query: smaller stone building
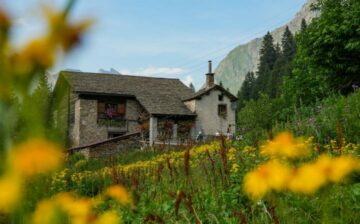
93, 107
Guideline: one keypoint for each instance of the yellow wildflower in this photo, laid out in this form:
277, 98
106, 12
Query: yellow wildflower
285, 145
249, 148
79, 210
46, 212
35, 157
307, 179
232, 150
231, 157
270, 176
37, 53
336, 169
234, 168
10, 192
118, 193
61, 31
108, 217
5, 23
63, 204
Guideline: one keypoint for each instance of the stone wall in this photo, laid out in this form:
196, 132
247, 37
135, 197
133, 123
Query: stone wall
72, 129
83, 118
110, 147
133, 110
89, 130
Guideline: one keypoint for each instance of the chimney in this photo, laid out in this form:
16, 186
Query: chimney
210, 77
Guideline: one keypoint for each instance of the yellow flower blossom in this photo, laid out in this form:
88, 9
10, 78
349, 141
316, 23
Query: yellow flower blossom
285, 145
335, 169
307, 179
10, 192
108, 217
63, 205
118, 193
79, 210
249, 148
5, 24
270, 176
46, 212
61, 31
37, 53
234, 168
35, 157
232, 150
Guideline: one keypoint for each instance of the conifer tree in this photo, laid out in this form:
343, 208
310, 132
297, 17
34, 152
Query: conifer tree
303, 25
246, 91
288, 45
268, 56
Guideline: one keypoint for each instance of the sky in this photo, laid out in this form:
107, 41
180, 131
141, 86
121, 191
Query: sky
161, 38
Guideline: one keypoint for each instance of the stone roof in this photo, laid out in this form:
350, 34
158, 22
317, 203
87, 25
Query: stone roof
206, 90
160, 96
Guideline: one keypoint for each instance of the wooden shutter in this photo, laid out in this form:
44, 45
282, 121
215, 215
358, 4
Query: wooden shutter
121, 108
101, 107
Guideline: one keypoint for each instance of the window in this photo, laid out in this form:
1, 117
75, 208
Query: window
110, 110
222, 110
221, 97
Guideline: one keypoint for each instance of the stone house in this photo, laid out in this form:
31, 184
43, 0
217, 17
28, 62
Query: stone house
93, 107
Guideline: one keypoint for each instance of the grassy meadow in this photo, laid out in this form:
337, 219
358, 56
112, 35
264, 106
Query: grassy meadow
298, 163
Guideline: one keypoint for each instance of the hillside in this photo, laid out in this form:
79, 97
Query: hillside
233, 68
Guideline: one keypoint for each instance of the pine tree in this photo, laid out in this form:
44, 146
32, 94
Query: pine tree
288, 45
303, 25
268, 56
246, 91
283, 64
42, 96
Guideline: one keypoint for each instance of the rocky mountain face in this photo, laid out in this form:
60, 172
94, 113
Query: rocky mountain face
244, 58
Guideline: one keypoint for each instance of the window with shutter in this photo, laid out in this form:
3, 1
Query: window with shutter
101, 107
121, 108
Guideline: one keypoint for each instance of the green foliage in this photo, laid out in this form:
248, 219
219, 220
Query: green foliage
207, 193
328, 53
333, 118
256, 118
246, 91
275, 63
268, 56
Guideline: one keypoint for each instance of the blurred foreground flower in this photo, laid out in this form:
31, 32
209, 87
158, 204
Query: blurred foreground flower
108, 217
285, 145
65, 206
270, 176
10, 192
36, 156
119, 193
60, 30
307, 178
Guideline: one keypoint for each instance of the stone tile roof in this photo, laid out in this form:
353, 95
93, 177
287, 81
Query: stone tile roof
206, 90
161, 96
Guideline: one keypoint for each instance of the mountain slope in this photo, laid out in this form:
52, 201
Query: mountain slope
244, 58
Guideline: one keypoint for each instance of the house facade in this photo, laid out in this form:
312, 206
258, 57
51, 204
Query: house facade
93, 107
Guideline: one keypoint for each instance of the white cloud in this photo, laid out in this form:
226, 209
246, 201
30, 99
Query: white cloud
187, 80
154, 71
165, 72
